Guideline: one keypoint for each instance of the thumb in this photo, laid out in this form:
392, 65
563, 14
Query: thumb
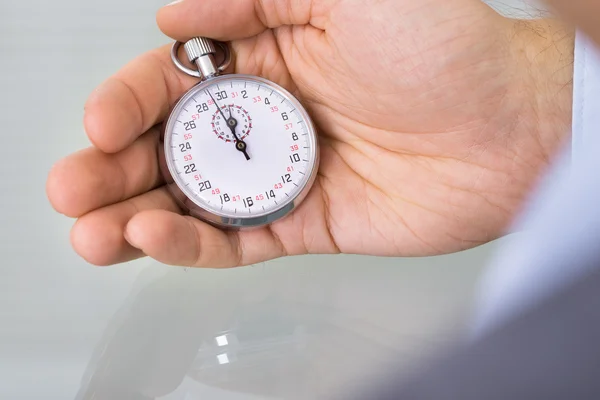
233, 19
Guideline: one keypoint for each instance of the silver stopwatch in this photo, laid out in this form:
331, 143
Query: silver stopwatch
237, 151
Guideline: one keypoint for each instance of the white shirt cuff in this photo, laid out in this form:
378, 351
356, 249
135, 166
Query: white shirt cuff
586, 94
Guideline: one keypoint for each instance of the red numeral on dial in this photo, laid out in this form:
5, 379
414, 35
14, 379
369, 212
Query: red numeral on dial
187, 157
216, 191
274, 109
294, 147
187, 136
288, 126
257, 99
278, 186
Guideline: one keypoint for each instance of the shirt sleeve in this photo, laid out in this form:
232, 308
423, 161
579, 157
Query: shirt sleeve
558, 231
586, 94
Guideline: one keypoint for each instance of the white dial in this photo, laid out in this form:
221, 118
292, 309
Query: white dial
240, 147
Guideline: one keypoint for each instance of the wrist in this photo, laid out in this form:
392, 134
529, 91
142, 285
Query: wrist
543, 53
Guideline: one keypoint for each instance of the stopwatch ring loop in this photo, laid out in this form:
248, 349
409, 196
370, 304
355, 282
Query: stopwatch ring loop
195, 73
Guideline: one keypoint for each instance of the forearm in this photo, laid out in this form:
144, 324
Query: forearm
544, 54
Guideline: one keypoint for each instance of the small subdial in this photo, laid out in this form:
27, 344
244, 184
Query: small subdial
244, 122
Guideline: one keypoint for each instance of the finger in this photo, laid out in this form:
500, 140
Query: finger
98, 237
237, 19
90, 179
133, 100
185, 241
141, 95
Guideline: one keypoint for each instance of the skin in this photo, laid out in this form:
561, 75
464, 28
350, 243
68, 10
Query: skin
585, 14
435, 118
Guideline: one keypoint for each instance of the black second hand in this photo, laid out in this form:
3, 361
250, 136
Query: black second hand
231, 122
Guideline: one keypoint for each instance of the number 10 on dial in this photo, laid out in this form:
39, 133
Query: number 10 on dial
238, 151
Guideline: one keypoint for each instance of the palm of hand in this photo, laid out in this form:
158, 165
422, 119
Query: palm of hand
404, 111
415, 152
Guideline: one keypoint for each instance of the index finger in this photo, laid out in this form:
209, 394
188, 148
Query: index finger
134, 100
238, 19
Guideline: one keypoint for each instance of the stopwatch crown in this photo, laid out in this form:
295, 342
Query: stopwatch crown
199, 47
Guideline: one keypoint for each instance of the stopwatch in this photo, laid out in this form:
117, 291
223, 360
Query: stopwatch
237, 151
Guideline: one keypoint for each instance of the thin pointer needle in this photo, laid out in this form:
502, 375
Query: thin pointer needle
240, 145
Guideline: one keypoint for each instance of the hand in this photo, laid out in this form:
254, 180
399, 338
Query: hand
435, 120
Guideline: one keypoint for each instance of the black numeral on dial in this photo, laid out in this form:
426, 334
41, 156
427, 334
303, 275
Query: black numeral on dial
225, 198
205, 186
189, 168
221, 95
185, 147
202, 107
248, 202
189, 125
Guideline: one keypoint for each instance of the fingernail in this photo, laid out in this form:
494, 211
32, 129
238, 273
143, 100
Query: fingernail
173, 3
128, 238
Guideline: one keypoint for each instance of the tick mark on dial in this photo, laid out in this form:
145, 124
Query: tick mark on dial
295, 184
300, 172
304, 160
287, 195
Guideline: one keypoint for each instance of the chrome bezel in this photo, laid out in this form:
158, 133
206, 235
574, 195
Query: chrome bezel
194, 207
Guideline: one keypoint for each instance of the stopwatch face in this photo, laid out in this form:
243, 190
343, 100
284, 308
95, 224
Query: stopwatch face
242, 149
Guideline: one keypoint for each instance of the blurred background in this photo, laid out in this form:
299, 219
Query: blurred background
298, 328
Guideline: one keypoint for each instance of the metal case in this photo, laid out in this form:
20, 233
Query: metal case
194, 208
